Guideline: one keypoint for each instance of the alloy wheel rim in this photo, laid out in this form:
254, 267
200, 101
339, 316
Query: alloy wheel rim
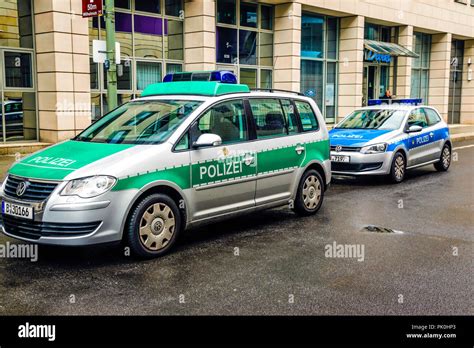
311, 192
399, 167
446, 157
157, 226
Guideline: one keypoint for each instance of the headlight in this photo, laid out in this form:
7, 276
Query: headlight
89, 187
376, 148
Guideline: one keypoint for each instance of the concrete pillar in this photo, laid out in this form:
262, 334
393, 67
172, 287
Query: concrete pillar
287, 48
199, 35
405, 39
438, 95
62, 56
467, 97
351, 64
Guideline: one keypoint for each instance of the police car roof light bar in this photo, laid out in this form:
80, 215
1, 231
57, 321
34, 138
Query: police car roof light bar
372, 102
213, 76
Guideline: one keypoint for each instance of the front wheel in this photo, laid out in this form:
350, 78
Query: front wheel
398, 168
444, 160
310, 194
153, 226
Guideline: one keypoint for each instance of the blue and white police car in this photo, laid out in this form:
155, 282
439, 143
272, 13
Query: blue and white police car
388, 140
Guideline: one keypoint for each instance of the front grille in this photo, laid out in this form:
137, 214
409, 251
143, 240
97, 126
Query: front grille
346, 148
34, 229
36, 191
354, 167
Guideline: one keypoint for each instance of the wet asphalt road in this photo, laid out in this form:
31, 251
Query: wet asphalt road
281, 267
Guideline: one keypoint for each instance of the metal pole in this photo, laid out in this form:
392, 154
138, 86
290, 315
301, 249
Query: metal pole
110, 44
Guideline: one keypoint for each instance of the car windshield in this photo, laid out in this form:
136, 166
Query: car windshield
389, 119
140, 122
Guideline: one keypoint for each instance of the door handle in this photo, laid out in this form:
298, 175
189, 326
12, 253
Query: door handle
299, 149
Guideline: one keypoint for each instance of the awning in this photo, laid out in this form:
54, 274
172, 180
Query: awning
389, 48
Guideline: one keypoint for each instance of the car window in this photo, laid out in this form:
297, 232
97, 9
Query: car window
387, 119
290, 116
307, 116
183, 143
417, 118
227, 120
140, 122
432, 116
269, 118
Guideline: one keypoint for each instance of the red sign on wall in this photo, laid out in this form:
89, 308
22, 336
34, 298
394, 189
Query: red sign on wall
91, 8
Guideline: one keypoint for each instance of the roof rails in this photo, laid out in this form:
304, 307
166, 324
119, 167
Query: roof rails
271, 90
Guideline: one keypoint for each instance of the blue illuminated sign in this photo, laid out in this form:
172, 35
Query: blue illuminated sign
377, 57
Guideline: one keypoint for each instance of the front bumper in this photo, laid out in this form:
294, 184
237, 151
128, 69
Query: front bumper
73, 221
362, 164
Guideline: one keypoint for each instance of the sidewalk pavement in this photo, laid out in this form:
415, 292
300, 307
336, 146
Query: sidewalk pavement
461, 132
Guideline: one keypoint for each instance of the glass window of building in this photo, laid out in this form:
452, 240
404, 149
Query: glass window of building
377, 32
420, 66
152, 6
319, 56
226, 11
151, 40
455, 81
244, 41
18, 111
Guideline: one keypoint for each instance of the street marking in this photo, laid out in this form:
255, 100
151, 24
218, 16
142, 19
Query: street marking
463, 147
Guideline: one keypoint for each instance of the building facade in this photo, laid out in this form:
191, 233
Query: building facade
341, 53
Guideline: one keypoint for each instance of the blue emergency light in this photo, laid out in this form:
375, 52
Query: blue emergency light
394, 101
214, 76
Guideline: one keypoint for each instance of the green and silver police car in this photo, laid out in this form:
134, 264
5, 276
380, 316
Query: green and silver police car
193, 149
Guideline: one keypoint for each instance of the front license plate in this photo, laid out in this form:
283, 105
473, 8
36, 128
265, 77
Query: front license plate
18, 210
340, 158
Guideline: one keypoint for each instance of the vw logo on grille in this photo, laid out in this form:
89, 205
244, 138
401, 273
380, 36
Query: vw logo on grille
338, 148
21, 188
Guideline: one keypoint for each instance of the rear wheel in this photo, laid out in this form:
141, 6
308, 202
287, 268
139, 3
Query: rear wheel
153, 226
310, 195
398, 168
444, 160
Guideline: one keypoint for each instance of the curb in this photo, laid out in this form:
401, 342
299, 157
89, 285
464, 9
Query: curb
462, 137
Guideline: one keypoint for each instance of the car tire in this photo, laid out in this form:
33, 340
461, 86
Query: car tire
153, 227
310, 194
444, 159
398, 168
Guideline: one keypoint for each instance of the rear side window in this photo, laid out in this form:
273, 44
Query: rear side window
269, 118
307, 116
432, 117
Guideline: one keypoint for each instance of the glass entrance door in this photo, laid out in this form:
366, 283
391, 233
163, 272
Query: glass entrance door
17, 96
376, 81
370, 83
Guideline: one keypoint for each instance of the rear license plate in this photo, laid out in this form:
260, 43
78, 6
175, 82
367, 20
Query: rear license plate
18, 210
340, 158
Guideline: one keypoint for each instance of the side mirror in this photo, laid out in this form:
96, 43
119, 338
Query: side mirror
207, 140
414, 129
